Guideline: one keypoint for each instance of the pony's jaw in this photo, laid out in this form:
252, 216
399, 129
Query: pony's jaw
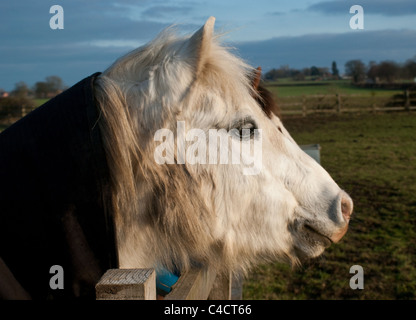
313, 236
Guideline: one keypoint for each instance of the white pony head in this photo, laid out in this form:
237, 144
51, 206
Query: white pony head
179, 212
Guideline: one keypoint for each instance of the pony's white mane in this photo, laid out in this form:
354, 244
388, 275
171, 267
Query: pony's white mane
162, 215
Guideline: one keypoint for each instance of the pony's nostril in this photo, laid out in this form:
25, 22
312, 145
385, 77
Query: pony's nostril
346, 207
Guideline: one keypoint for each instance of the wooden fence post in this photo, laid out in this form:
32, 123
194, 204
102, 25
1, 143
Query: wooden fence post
127, 284
221, 288
373, 102
338, 103
304, 112
407, 100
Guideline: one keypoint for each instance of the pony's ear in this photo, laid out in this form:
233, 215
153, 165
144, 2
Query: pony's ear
257, 78
199, 44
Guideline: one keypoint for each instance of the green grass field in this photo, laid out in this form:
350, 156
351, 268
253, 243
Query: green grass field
373, 157
39, 102
286, 88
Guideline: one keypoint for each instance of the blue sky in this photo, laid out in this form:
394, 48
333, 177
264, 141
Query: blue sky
267, 33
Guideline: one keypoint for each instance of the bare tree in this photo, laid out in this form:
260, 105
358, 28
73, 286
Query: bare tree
335, 71
372, 72
41, 89
51, 87
356, 69
55, 84
388, 71
21, 90
410, 68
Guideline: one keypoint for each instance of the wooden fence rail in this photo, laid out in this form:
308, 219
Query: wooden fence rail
327, 103
338, 103
127, 284
140, 284
9, 115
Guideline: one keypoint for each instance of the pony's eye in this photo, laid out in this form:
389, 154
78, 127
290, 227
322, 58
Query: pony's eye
244, 129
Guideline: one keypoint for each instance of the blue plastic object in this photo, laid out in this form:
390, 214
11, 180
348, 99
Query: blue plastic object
166, 279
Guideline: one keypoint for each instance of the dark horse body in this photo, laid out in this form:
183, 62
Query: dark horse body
53, 193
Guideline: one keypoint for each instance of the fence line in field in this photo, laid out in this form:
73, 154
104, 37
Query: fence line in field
12, 114
304, 105
339, 103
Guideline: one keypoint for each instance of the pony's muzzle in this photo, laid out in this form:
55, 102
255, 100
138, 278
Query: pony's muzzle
345, 207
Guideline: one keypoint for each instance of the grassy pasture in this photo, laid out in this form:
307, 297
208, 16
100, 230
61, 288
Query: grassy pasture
305, 97
373, 157
39, 102
283, 89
